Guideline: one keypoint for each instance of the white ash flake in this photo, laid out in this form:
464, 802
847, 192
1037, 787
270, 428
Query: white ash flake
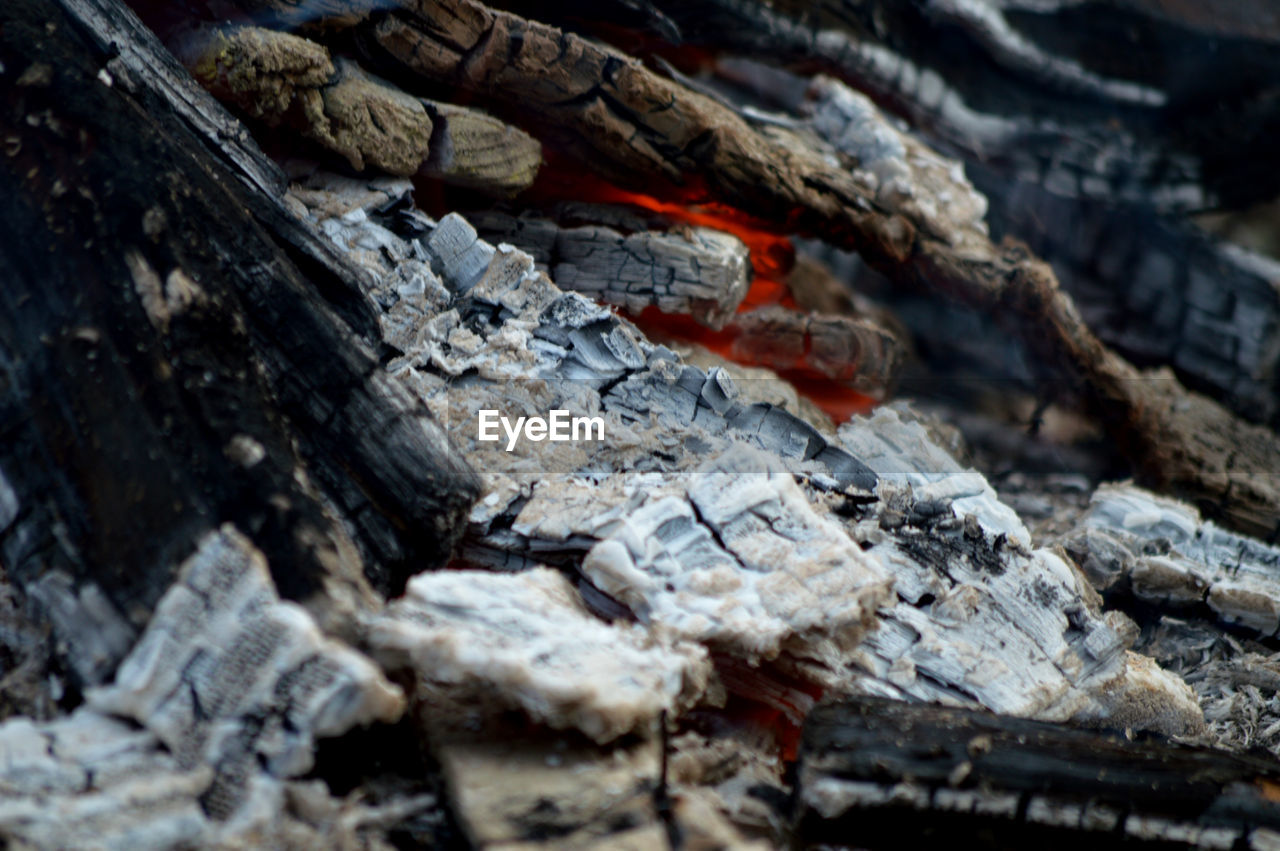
222, 648
231, 687
529, 639
733, 556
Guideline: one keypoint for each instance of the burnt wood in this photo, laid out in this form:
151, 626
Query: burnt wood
876, 773
1155, 103
170, 360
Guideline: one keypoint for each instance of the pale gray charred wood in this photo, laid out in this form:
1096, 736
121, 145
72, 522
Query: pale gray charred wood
1166, 555
632, 259
1158, 290
697, 271
164, 356
877, 774
1065, 173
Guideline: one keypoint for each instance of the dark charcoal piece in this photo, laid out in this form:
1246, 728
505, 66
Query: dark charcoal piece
876, 773
166, 348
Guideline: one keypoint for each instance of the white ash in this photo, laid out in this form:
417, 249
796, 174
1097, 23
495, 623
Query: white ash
731, 555
211, 713
228, 675
97, 636
407, 292
506, 321
528, 640
1169, 556
984, 620
91, 781
901, 452
87, 780
906, 175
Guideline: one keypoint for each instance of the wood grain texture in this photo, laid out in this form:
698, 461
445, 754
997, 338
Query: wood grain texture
882, 772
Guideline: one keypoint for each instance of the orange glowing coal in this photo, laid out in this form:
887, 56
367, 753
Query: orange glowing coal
772, 257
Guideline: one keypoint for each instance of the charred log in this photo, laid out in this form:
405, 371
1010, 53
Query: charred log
696, 271
874, 774
169, 367
282, 79
1102, 117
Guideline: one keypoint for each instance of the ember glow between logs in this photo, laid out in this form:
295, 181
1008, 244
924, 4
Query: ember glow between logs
772, 258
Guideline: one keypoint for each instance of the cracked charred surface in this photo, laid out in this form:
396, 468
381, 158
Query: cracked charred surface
624, 257
1163, 553
283, 79
228, 687
982, 619
696, 271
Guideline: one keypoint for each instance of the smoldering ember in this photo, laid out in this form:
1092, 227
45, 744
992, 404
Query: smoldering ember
639, 424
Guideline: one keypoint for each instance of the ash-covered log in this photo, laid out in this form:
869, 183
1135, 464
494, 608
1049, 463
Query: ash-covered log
631, 261
885, 206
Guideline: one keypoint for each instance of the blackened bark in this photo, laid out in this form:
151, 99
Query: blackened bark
169, 359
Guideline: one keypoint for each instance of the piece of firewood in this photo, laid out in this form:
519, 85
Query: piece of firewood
284, 79
633, 259
473, 149
878, 774
982, 618
697, 271
859, 352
